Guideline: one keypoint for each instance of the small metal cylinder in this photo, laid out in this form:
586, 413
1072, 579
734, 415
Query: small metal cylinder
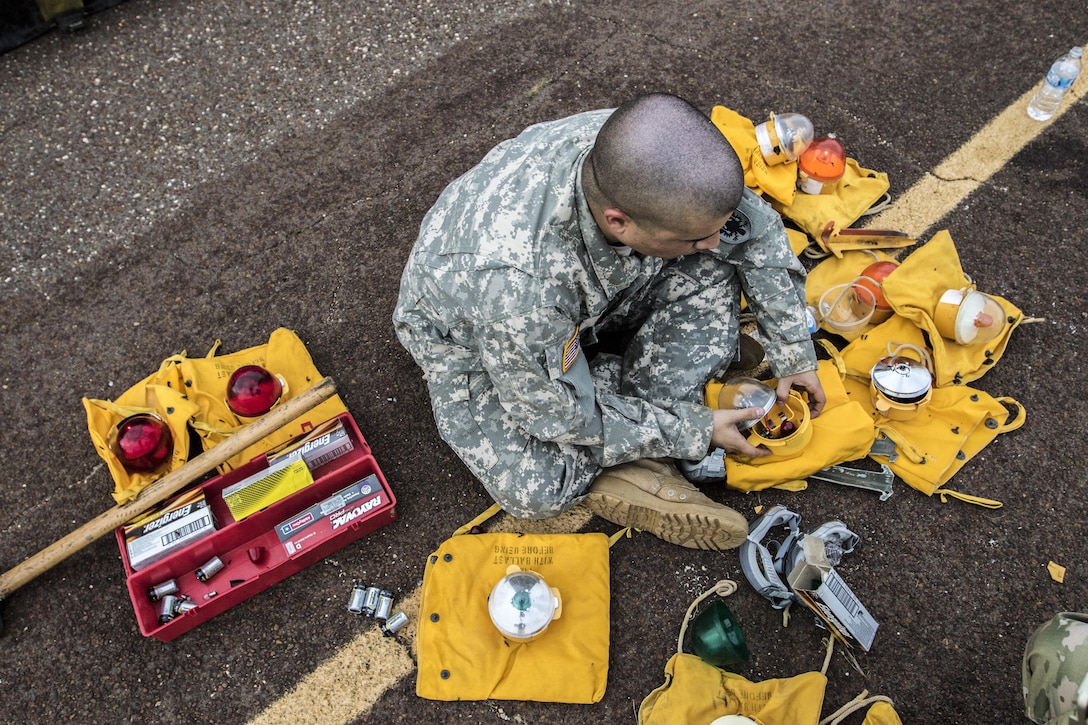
157, 592
358, 596
394, 624
385, 605
212, 567
168, 609
184, 607
370, 602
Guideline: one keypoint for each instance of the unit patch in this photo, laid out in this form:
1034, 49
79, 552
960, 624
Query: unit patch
737, 228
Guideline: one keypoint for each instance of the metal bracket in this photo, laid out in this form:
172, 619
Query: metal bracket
880, 481
885, 448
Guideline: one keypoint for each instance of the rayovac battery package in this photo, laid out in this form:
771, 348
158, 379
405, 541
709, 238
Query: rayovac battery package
326, 518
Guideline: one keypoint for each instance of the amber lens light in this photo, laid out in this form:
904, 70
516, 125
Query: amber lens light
142, 442
252, 391
823, 160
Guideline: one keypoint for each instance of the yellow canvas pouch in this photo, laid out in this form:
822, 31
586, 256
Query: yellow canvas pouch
913, 291
463, 656
190, 395
947, 432
205, 382
881, 711
157, 394
857, 190
777, 182
695, 692
844, 431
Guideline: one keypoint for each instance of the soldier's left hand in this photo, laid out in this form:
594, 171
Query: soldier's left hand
810, 383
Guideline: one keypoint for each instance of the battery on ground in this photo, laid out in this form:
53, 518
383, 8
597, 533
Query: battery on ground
358, 598
385, 605
394, 624
370, 602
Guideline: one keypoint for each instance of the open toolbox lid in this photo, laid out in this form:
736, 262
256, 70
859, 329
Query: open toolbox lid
347, 499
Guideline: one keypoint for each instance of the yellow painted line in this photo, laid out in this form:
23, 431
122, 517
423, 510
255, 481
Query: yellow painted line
969, 167
347, 686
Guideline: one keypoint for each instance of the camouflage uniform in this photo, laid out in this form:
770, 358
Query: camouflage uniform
1055, 667
510, 275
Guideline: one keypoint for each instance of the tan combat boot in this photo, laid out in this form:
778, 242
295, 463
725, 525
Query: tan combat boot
651, 495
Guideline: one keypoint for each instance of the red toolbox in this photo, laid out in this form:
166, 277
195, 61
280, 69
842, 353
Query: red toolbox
349, 498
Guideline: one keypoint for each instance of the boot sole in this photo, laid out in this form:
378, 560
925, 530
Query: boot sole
693, 525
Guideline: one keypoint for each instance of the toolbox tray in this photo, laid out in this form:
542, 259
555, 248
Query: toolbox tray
251, 550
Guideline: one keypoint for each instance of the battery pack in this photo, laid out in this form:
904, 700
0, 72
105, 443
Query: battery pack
322, 520
181, 522
263, 489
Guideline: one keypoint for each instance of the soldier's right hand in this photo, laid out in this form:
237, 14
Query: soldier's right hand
726, 435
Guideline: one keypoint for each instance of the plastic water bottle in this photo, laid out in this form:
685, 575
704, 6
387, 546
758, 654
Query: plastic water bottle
1061, 76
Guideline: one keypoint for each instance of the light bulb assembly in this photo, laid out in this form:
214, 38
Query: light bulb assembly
846, 308
522, 605
784, 137
969, 317
821, 165
900, 386
143, 443
872, 278
785, 428
252, 391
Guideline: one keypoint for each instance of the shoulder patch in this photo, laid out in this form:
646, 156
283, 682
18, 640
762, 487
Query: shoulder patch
571, 349
736, 229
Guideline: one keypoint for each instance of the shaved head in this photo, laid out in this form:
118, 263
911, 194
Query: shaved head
658, 158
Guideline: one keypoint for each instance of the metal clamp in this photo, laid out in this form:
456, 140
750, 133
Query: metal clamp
880, 481
885, 448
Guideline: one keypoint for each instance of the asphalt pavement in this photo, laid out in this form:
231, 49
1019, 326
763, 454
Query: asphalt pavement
179, 173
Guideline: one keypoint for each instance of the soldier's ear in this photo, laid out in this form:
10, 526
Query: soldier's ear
617, 221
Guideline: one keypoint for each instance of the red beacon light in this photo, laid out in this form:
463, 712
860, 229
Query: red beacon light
252, 391
142, 442
821, 165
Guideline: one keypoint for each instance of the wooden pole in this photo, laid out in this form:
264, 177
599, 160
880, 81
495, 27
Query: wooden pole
163, 488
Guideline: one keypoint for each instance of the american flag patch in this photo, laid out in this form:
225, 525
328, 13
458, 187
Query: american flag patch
571, 350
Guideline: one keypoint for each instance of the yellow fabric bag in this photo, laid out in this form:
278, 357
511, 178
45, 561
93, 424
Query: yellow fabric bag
844, 431
913, 291
157, 394
463, 656
778, 182
857, 190
190, 395
695, 692
834, 271
947, 432
881, 711
205, 380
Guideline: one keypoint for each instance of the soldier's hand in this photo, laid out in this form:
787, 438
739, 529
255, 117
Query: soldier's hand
810, 382
727, 436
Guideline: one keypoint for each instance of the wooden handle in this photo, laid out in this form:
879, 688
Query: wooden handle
166, 486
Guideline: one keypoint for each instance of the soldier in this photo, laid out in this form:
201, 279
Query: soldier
1055, 671
634, 221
